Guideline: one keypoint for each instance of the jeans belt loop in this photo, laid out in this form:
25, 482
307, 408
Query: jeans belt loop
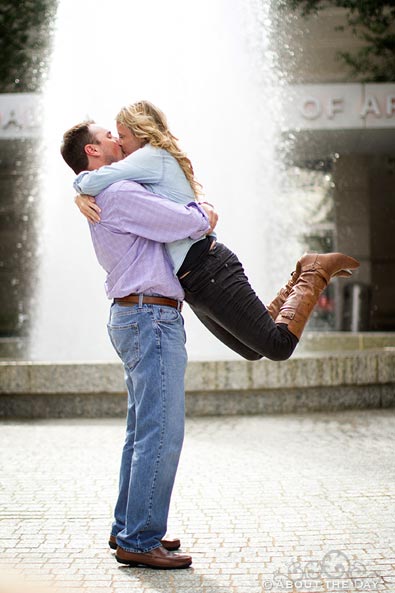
141, 297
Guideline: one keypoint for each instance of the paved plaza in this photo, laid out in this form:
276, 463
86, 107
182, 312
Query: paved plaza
262, 503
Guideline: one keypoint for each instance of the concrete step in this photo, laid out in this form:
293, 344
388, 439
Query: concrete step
320, 382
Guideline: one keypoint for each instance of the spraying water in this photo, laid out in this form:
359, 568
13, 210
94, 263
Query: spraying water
208, 66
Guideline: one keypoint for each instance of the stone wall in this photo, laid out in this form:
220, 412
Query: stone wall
325, 381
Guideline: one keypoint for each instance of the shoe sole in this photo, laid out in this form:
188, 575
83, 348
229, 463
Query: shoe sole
343, 274
147, 565
168, 548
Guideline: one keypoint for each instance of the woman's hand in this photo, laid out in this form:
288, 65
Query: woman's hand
88, 207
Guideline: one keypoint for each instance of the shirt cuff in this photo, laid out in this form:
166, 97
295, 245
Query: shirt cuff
205, 222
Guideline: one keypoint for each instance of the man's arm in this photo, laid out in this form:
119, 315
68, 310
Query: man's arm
136, 211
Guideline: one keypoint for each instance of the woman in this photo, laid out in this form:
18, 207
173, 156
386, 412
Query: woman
213, 279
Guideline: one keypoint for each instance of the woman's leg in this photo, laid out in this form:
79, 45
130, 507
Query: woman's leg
316, 271
219, 291
226, 337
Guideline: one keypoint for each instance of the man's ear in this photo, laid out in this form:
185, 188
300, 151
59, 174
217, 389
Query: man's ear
91, 149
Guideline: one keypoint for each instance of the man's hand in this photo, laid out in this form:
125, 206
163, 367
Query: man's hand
212, 215
88, 207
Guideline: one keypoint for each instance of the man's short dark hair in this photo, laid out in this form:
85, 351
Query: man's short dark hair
73, 145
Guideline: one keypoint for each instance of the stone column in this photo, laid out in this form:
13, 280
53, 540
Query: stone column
352, 215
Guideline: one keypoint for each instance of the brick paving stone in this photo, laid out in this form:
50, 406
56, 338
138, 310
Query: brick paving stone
255, 497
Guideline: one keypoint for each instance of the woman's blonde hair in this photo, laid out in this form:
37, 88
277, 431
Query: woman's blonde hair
149, 123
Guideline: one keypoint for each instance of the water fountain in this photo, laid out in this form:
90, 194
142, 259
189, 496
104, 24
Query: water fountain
209, 67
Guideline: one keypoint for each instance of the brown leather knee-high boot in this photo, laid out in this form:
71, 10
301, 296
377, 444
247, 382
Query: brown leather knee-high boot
316, 271
283, 293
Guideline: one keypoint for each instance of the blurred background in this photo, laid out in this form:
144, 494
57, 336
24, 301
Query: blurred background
286, 109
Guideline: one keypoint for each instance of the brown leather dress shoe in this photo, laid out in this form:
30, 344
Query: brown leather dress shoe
157, 558
169, 544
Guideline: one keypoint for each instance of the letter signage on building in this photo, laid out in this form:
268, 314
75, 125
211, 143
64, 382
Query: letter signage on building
338, 106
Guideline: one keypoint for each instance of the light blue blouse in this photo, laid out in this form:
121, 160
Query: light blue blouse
159, 172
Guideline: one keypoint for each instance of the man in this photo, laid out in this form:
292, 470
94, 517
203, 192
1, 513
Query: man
146, 330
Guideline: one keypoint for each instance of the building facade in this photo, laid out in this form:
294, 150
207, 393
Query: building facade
342, 130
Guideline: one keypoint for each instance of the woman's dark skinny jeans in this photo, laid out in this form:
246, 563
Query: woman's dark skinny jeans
219, 293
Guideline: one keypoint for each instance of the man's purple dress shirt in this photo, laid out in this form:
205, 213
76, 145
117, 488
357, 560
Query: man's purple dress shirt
129, 240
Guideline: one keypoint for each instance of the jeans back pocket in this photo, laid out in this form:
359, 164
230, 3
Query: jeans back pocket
125, 339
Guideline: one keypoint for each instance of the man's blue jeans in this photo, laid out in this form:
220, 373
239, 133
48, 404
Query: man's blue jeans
150, 340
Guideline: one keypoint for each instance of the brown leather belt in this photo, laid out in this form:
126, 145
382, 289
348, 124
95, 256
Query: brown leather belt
148, 300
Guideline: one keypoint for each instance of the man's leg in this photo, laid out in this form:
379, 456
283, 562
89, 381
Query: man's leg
126, 460
124, 475
151, 342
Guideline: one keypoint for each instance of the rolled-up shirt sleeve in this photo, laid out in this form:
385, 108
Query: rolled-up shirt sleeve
153, 217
